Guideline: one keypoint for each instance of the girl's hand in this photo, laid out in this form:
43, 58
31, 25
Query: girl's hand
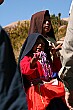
35, 58
55, 49
59, 46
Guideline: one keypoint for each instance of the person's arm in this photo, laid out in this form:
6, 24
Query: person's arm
66, 73
56, 60
11, 84
28, 65
57, 63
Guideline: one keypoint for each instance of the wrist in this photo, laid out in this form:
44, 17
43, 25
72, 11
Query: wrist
33, 62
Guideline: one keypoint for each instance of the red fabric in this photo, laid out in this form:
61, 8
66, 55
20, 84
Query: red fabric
56, 64
39, 96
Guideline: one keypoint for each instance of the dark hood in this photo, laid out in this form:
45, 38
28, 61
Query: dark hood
29, 43
36, 23
12, 95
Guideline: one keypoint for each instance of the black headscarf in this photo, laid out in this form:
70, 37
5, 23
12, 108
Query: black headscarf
12, 95
29, 43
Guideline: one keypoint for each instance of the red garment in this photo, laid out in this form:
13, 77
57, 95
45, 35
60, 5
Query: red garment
56, 64
39, 96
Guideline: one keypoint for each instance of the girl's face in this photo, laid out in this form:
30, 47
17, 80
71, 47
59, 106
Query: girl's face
39, 45
46, 26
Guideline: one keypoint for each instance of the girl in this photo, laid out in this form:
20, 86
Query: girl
37, 71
